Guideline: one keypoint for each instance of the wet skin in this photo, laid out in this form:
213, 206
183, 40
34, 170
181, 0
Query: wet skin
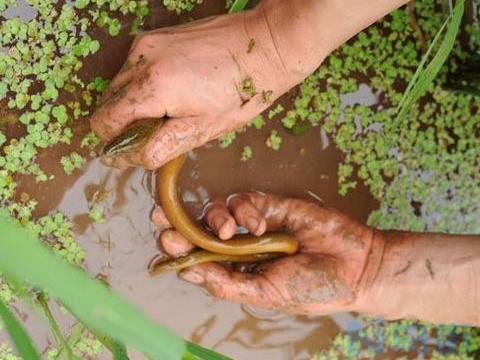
325, 274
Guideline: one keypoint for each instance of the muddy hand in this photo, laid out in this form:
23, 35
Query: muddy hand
208, 78
323, 277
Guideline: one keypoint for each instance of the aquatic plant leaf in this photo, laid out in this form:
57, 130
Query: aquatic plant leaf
24, 344
422, 78
237, 6
88, 299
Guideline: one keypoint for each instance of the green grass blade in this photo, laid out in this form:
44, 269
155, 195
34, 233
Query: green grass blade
23, 343
422, 63
204, 353
237, 6
88, 299
119, 351
424, 77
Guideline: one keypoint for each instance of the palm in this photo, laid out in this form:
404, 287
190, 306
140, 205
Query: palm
320, 278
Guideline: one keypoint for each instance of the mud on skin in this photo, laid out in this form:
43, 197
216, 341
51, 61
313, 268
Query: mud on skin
334, 267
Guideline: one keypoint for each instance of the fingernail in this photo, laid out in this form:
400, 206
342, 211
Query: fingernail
192, 276
252, 224
218, 223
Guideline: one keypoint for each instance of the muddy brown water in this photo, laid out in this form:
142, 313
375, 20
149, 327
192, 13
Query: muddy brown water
120, 248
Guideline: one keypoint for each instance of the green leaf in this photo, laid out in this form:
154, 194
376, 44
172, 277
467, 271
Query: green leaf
422, 78
247, 153
81, 4
60, 113
237, 6
204, 353
258, 122
19, 336
94, 46
90, 300
119, 351
114, 27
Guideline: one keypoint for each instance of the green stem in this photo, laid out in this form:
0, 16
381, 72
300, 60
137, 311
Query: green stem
118, 350
57, 333
73, 338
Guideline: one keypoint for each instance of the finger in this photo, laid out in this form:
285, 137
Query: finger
174, 244
123, 78
159, 219
135, 101
114, 87
173, 138
279, 212
247, 215
220, 220
132, 68
235, 286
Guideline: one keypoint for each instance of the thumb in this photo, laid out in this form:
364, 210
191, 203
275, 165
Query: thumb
124, 107
174, 137
254, 289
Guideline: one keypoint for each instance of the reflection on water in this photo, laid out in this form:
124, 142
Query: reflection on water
22, 10
364, 95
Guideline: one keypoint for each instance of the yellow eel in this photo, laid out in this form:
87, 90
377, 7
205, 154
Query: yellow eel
241, 248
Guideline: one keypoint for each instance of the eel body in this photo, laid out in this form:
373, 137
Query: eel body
241, 248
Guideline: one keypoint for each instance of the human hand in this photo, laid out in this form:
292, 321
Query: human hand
208, 77
336, 259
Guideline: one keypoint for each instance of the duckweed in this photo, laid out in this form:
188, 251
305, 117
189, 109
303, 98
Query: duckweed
44, 55
274, 141
180, 6
40, 81
422, 168
71, 162
247, 153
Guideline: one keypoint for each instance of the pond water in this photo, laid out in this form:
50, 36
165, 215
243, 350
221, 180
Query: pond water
120, 248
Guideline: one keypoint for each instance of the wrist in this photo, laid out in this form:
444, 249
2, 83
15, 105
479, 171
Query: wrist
293, 29
305, 32
373, 264
424, 276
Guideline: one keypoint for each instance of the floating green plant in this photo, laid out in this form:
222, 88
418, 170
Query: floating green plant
180, 6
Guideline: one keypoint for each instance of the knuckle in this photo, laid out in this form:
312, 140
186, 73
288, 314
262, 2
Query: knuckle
241, 203
240, 199
254, 197
218, 291
148, 162
146, 157
242, 207
213, 210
